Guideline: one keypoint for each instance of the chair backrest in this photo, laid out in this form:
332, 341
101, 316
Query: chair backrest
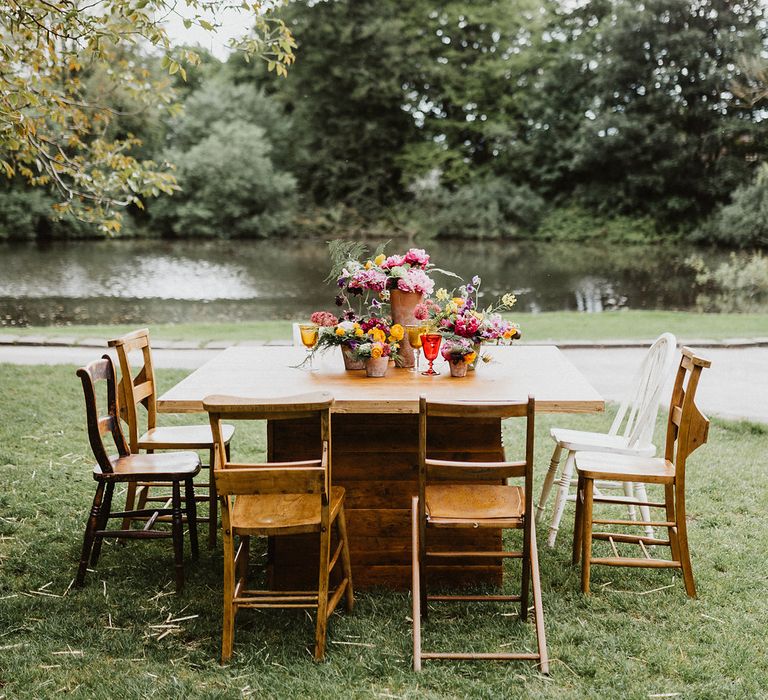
138, 388
687, 426
99, 425
307, 476
639, 410
461, 470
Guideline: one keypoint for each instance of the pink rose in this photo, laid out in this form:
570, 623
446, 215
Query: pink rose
417, 257
323, 318
393, 261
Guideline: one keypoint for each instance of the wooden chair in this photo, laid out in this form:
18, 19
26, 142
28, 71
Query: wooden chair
279, 498
687, 429
138, 387
637, 414
467, 505
169, 469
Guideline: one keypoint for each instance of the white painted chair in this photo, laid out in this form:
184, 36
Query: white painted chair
637, 414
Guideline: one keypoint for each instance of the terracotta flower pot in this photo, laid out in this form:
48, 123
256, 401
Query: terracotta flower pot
350, 361
376, 366
459, 369
402, 305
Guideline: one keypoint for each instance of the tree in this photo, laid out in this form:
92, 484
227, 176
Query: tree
53, 133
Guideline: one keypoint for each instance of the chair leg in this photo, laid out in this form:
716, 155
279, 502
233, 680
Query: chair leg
191, 508
228, 623
629, 492
212, 500
549, 479
526, 567
322, 595
178, 536
564, 486
346, 560
130, 499
104, 511
415, 584
586, 535
685, 554
538, 606
645, 511
669, 500
578, 522
90, 529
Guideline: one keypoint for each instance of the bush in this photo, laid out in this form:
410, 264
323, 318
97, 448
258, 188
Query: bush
743, 222
487, 208
578, 224
230, 187
737, 285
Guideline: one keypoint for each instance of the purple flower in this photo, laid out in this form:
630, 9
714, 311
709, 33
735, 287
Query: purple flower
476, 280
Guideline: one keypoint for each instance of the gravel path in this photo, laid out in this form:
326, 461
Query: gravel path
735, 387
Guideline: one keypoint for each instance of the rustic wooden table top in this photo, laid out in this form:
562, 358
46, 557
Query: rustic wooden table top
265, 371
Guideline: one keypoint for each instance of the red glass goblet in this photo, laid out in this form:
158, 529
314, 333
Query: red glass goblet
430, 343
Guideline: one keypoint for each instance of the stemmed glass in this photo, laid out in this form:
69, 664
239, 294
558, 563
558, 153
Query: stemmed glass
309, 335
414, 338
431, 343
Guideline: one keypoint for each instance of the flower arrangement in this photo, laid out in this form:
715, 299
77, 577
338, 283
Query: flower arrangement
458, 314
457, 350
379, 339
407, 272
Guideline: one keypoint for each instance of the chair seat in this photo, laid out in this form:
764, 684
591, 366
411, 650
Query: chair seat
164, 466
581, 440
281, 513
601, 465
477, 504
188, 437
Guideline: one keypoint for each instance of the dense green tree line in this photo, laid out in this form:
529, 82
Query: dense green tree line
612, 118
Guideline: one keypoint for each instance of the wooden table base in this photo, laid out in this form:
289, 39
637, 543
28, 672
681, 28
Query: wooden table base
374, 458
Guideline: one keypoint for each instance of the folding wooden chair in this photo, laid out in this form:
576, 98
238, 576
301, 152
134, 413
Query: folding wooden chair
467, 505
687, 429
169, 469
137, 386
279, 498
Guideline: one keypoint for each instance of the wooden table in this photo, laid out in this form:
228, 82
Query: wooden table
374, 436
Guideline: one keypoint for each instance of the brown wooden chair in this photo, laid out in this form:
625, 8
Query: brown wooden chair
279, 498
687, 429
169, 469
466, 505
138, 387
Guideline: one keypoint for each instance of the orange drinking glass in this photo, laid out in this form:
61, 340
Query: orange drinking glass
431, 346
309, 335
414, 338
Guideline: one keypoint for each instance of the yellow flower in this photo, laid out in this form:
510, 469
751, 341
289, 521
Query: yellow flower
397, 332
376, 351
368, 265
340, 331
359, 331
458, 301
442, 294
379, 259
377, 335
469, 359
356, 326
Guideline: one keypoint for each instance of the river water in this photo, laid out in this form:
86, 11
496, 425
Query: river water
153, 281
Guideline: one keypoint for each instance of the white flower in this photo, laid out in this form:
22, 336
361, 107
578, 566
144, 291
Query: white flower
347, 325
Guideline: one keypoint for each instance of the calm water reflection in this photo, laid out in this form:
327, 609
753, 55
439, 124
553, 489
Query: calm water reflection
159, 281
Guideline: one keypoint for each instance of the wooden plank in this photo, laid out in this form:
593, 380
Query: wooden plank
266, 372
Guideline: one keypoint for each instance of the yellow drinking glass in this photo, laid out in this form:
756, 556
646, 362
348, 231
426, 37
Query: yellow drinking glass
309, 334
414, 338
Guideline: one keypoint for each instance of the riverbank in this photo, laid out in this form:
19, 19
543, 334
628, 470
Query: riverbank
562, 327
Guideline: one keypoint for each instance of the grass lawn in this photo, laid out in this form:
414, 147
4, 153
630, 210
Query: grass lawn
559, 325
637, 636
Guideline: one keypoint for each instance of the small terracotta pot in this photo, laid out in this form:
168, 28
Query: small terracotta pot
350, 361
376, 367
459, 369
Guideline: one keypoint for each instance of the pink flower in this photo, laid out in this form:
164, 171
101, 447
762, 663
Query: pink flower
421, 312
393, 261
415, 280
417, 257
323, 318
466, 326
368, 279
